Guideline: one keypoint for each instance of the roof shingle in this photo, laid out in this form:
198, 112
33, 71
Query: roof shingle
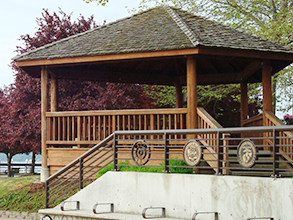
158, 29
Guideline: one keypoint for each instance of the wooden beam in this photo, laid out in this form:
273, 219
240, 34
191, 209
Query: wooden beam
244, 102
44, 109
267, 86
54, 93
249, 70
191, 93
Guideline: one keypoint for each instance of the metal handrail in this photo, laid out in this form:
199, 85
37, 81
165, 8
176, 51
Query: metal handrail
77, 173
103, 203
216, 215
68, 178
207, 131
97, 146
163, 215
62, 206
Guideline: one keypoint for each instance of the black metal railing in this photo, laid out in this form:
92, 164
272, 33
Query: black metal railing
253, 151
79, 173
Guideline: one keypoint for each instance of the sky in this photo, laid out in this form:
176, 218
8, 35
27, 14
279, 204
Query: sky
18, 17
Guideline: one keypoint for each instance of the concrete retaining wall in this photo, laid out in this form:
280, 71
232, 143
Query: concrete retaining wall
182, 195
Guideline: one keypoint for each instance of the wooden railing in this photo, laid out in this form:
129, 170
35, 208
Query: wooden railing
206, 121
210, 140
268, 118
90, 127
256, 120
286, 138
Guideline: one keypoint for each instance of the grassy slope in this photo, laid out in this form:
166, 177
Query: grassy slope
22, 194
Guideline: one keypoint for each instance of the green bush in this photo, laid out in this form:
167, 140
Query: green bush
177, 162
125, 166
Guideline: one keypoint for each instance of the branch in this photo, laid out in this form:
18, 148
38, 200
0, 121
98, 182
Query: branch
240, 9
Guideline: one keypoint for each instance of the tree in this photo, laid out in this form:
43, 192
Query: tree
11, 128
271, 19
221, 101
73, 95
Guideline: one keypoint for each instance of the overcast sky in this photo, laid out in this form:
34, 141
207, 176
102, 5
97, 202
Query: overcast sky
18, 17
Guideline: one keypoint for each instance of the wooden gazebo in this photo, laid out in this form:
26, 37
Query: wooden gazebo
161, 46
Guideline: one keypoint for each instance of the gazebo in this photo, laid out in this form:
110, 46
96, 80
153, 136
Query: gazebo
161, 46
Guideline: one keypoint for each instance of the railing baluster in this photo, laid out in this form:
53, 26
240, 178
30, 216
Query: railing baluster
220, 155
166, 149
275, 151
73, 128
47, 194
94, 128
114, 153
89, 130
80, 174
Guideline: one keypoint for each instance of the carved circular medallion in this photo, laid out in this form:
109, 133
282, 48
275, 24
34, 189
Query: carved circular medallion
246, 153
192, 153
140, 152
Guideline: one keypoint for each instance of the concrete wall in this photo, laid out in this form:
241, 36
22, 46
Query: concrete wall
182, 195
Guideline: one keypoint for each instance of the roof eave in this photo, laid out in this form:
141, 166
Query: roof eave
200, 50
107, 57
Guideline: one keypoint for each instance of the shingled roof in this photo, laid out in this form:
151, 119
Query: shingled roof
158, 29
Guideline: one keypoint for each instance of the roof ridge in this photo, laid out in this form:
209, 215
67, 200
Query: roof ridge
183, 26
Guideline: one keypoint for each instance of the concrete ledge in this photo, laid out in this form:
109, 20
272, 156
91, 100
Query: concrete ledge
81, 214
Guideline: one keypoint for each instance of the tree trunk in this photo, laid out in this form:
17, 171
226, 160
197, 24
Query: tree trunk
32, 170
9, 170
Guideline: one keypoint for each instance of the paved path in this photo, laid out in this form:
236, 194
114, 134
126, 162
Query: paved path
11, 218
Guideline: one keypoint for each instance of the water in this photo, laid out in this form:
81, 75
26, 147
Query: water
22, 169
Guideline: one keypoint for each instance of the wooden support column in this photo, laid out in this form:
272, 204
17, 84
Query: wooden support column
191, 93
54, 93
267, 86
179, 98
44, 109
244, 101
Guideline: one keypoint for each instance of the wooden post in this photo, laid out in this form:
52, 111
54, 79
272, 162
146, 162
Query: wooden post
191, 93
179, 98
54, 93
244, 101
267, 86
44, 109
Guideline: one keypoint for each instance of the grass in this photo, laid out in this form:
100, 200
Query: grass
22, 194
